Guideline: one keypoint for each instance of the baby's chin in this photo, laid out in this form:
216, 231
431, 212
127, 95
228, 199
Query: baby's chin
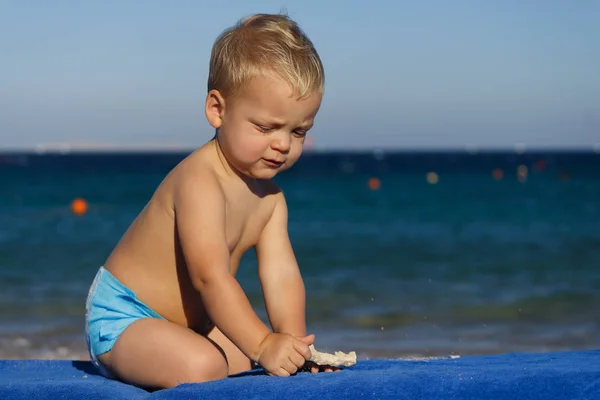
262, 172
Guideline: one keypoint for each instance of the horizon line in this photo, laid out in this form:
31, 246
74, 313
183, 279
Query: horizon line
140, 149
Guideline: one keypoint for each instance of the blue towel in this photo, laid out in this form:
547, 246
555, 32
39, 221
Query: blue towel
561, 375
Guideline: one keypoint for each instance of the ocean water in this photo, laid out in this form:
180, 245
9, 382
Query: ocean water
465, 264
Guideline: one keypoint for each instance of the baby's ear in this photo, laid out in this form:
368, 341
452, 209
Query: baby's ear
214, 107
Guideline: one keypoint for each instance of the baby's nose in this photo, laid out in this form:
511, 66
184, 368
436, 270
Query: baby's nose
281, 142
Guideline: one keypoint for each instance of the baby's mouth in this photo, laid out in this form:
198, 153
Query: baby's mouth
273, 163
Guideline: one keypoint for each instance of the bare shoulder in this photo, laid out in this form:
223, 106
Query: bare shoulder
194, 181
272, 195
277, 211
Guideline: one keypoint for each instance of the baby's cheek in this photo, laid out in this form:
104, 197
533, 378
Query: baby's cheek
257, 150
251, 149
296, 151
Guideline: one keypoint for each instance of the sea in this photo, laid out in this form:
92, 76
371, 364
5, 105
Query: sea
404, 254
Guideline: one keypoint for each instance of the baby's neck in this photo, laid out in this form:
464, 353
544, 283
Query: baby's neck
226, 168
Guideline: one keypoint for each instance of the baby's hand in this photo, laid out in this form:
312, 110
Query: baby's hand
282, 354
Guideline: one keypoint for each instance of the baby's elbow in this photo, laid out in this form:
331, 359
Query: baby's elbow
208, 271
201, 282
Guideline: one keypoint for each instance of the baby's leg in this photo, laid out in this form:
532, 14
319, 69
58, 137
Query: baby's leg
154, 353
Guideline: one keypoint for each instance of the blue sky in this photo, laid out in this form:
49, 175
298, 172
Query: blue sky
399, 74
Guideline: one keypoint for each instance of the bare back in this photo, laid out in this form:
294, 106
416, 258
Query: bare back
148, 259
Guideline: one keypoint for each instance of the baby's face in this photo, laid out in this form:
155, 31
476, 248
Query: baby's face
263, 129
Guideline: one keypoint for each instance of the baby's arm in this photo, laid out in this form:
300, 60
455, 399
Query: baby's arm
200, 221
279, 274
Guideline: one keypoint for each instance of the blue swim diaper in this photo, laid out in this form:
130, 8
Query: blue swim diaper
110, 308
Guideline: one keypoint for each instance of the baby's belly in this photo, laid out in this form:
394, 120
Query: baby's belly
178, 302
167, 291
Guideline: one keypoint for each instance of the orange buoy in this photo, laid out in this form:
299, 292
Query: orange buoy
79, 206
374, 183
432, 178
498, 174
540, 165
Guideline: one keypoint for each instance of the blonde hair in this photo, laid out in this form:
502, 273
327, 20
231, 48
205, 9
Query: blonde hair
260, 44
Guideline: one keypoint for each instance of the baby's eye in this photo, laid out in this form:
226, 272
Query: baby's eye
300, 133
263, 129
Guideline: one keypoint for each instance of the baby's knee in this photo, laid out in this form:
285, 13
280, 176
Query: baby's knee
202, 369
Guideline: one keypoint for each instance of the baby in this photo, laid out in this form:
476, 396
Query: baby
166, 308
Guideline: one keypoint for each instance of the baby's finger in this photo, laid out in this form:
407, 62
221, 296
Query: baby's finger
289, 366
303, 349
324, 368
282, 372
297, 359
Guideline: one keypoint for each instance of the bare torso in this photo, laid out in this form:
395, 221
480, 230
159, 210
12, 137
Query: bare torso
148, 259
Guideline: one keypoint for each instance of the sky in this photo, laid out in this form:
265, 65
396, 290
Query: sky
399, 74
